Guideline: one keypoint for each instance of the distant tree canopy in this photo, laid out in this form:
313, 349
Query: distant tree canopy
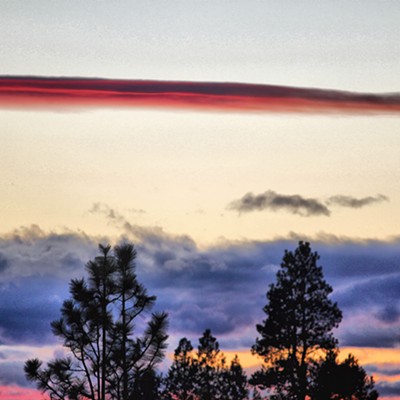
97, 325
204, 374
347, 380
179, 381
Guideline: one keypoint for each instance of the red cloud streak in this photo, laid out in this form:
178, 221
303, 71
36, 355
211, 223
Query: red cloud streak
47, 93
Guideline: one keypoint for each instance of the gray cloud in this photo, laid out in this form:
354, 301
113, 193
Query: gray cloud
3, 262
271, 200
384, 369
363, 335
109, 213
27, 306
389, 313
12, 373
388, 388
378, 291
353, 202
298, 205
29, 251
35, 280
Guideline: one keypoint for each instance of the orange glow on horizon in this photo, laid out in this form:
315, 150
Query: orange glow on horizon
372, 355
365, 356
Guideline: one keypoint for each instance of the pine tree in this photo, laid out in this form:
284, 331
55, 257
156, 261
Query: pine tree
210, 363
204, 374
234, 381
256, 394
346, 380
106, 359
299, 323
182, 375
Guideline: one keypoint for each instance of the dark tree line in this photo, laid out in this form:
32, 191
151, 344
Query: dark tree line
113, 352
204, 374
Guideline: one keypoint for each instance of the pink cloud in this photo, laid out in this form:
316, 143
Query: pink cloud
47, 93
19, 393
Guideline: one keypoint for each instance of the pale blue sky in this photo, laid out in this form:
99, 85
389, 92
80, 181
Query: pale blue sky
349, 45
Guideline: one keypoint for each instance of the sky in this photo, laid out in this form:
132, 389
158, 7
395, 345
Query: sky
211, 187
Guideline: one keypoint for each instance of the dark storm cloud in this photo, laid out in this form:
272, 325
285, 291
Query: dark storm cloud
3, 262
12, 373
353, 261
172, 267
390, 313
388, 388
194, 285
384, 369
353, 202
29, 251
12, 368
27, 306
222, 288
380, 291
52, 92
32, 287
235, 277
271, 200
363, 335
299, 205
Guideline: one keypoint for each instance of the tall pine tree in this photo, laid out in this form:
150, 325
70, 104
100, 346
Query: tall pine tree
107, 358
298, 327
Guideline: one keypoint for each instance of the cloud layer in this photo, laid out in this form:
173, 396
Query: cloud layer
299, 205
222, 288
235, 277
48, 93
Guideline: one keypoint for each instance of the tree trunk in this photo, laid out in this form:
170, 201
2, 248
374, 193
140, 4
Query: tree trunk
124, 340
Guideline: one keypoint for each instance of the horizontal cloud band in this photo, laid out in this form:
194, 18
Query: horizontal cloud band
48, 92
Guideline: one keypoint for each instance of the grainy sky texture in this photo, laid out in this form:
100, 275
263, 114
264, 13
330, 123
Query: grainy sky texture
211, 190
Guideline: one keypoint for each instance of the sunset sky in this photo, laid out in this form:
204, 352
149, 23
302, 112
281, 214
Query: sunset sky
213, 187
